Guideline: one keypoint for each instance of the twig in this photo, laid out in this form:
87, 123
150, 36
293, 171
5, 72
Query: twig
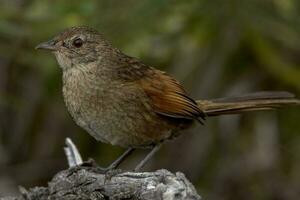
72, 153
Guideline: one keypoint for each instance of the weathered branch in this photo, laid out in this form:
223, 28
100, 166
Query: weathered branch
89, 182
72, 154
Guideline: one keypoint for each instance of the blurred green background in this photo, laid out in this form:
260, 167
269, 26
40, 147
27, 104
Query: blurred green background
214, 47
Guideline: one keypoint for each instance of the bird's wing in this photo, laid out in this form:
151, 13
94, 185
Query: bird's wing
168, 97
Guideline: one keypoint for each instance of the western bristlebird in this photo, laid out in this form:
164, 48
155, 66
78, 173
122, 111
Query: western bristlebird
122, 101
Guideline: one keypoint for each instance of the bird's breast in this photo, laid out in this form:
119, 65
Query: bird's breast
112, 111
84, 97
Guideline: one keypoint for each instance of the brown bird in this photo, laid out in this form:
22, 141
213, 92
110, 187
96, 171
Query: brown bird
119, 100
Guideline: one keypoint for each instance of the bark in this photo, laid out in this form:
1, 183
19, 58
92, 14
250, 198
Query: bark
88, 181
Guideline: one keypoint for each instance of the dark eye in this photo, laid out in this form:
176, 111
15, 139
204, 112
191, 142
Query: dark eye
77, 42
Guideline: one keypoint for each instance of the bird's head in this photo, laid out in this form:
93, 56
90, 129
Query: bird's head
76, 47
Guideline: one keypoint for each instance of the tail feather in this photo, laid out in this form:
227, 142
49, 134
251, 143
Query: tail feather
249, 102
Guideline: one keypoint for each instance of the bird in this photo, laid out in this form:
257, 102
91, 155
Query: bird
120, 100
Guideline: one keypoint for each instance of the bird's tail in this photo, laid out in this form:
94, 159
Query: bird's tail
249, 102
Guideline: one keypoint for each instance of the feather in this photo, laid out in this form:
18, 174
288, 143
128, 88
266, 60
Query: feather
249, 102
169, 98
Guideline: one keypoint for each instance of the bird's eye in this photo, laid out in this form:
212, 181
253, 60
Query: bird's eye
77, 42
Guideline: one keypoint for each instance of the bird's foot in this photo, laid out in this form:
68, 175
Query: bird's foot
110, 170
89, 163
92, 166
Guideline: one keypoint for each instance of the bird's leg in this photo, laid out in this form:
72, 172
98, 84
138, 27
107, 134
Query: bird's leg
120, 159
111, 170
148, 157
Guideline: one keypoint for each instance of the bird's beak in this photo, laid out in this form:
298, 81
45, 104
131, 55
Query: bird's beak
49, 45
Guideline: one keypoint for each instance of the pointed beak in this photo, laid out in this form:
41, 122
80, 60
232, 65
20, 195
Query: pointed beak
50, 45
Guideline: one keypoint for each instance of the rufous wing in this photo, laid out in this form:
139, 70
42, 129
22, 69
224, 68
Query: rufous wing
168, 97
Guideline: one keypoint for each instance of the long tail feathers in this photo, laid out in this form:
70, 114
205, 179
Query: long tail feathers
249, 102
